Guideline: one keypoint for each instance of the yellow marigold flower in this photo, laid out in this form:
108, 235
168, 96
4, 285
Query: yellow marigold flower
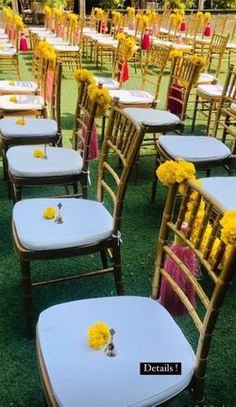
120, 36
13, 99
199, 15
176, 54
98, 335
130, 11
198, 59
185, 170
166, 172
101, 96
11, 83
207, 17
37, 153
21, 121
47, 10
49, 213
228, 232
83, 75
183, 187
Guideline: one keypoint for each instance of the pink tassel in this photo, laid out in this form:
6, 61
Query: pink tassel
93, 146
207, 31
123, 72
103, 27
50, 79
168, 298
23, 43
183, 26
174, 105
132, 25
146, 42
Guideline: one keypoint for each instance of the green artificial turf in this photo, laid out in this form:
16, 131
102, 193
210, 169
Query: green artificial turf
19, 379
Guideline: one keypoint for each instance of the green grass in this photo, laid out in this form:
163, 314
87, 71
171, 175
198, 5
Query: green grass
19, 379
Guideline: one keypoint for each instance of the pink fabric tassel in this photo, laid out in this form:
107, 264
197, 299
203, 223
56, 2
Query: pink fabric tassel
183, 26
123, 72
103, 27
23, 43
174, 105
208, 31
93, 146
146, 42
50, 78
168, 298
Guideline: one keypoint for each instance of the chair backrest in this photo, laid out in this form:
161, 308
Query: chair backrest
226, 113
192, 29
55, 99
122, 142
206, 238
153, 67
184, 75
216, 51
219, 24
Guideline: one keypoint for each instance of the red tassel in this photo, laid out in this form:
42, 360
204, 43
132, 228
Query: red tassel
146, 42
208, 30
123, 72
93, 145
175, 105
168, 298
23, 43
183, 26
103, 27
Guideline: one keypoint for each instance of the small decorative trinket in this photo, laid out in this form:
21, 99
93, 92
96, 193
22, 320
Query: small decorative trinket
45, 157
58, 218
110, 348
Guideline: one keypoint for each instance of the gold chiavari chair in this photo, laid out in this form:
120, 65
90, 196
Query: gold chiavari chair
209, 95
34, 130
206, 152
88, 227
65, 325
25, 170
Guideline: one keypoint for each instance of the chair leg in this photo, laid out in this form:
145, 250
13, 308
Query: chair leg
16, 192
117, 267
104, 259
195, 112
154, 182
27, 296
75, 188
136, 169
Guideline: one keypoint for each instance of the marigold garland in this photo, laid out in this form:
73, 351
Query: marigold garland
116, 17
98, 335
207, 17
175, 53
127, 48
83, 75
198, 59
130, 11
99, 13
49, 213
175, 171
47, 10
101, 96
228, 232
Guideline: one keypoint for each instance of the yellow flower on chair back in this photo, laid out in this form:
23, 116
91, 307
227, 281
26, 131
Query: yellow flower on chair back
13, 99
130, 11
99, 13
47, 10
228, 232
171, 172
37, 153
83, 75
198, 59
98, 335
116, 17
101, 96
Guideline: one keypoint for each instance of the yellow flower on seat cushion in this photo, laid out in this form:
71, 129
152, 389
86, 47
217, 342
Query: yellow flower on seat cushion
12, 83
38, 153
21, 121
49, 213
98, 335
13, 99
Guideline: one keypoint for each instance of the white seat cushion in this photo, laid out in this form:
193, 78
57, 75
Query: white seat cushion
107, 83
57, 41
7, 52
194, 148
85, 222
210, 90
231, 45
206, 78
23, 102
132, 96
61, 161
223, 189
152, 117
33, 127
18, 87
233, 107
144, 332
67, 48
